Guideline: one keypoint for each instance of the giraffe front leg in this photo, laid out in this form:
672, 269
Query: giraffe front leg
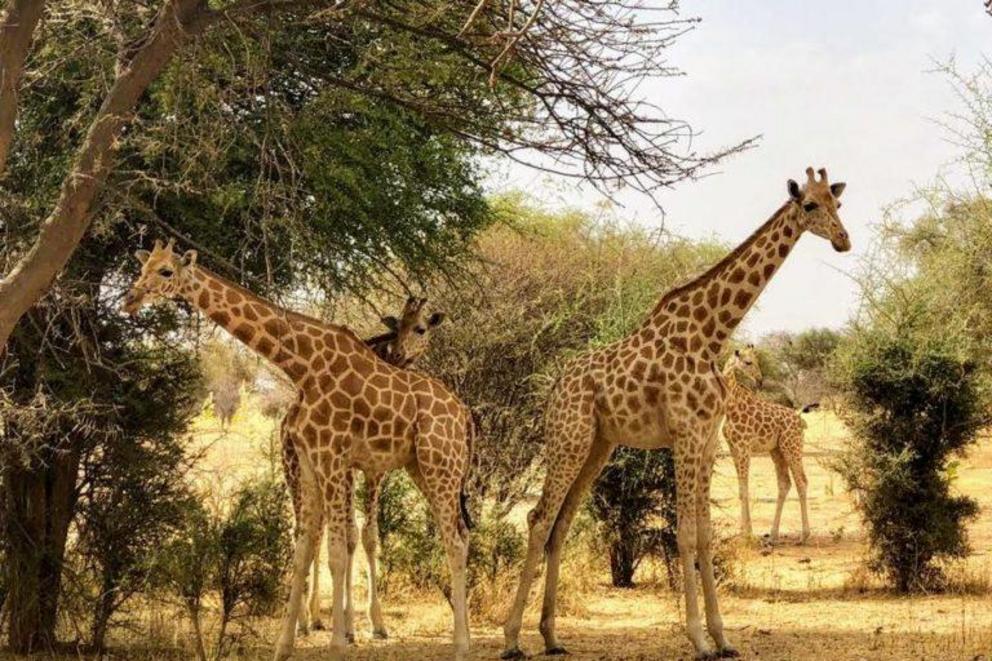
370, 542
704, 547
687, 480
308, 522
312, 611
742, 464
336, 514
784, 484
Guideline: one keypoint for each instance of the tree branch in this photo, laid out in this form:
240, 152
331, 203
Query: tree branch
16, 31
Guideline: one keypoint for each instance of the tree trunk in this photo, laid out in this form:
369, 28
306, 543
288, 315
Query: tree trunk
16, 31
40, 502
104, 611
62, 231
623, 561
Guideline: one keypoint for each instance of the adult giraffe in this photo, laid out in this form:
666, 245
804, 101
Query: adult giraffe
406, 340
356, 412
661, 387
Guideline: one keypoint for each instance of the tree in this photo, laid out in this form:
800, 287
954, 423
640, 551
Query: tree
75, 375
559, 81
915, 401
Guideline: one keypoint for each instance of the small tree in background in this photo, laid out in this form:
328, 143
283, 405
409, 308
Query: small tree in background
915, 402
239, 556
634, 503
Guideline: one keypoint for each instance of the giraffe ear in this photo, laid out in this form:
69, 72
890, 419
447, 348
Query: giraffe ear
189, 258
795, 192
436, 319
838, 188
142, 255
392, 323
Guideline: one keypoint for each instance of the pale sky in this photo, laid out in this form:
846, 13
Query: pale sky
841, 84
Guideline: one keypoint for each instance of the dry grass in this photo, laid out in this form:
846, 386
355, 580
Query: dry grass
788, 602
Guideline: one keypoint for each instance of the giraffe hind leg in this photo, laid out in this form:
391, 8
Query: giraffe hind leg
563, 466
591, 469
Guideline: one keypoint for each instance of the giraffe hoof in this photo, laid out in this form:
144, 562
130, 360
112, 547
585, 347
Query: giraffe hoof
513, 653
317, 625
558, 650
380, 634
728, 652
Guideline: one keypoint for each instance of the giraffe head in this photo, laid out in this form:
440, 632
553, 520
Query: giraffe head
163, 274
817, 202
411, 331
746, 361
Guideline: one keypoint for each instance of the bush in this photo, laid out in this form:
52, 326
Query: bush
914, 404
634, 504
413, 554
239, 557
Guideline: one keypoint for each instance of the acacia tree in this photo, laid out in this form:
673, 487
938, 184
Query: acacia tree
559, 75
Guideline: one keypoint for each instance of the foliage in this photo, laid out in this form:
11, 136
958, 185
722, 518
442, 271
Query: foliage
239, 556
795, 366
914, 405
634, 503
412, 555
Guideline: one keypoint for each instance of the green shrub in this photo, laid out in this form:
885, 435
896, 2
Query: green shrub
634, 504
238, 557
914, 403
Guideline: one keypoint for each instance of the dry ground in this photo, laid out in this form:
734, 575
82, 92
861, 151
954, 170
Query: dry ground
788, 602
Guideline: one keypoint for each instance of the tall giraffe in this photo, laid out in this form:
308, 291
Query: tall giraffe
753, 424
406, 340
660, 387
355, 412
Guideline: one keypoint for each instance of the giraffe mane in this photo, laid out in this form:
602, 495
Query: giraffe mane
289, 315
712, 271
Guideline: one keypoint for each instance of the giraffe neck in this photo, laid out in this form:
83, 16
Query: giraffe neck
287, 339
701, 315
734, 387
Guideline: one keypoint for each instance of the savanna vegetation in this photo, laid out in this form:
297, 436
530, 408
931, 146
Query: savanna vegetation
333, 158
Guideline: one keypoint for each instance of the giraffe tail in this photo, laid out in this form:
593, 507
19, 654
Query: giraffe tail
463, 496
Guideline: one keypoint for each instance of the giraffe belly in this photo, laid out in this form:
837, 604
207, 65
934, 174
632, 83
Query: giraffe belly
381, 453
643, 432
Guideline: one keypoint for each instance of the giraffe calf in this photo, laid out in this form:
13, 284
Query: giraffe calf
755, 425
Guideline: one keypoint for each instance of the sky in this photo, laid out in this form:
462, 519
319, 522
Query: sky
847, 85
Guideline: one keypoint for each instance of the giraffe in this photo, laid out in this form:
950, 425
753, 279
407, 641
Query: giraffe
660, 387
355, 412
754, 424
407, 339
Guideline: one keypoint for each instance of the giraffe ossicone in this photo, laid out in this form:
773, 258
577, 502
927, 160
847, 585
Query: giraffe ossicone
355, 412
661, 387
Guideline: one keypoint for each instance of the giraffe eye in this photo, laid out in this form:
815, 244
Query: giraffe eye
165, 273
810, 206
